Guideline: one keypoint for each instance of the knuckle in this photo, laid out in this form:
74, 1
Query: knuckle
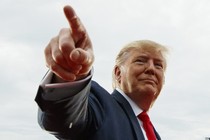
75, 21
53, 41
82, 30
58, 58
65, 47
53, 67
50, 45
64, 31
47, 51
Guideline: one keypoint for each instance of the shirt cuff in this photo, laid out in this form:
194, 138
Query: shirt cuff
46, 82
57, 91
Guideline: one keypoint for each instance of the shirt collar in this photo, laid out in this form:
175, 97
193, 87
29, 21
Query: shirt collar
133, 105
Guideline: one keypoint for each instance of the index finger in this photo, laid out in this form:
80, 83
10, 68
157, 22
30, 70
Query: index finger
73, 19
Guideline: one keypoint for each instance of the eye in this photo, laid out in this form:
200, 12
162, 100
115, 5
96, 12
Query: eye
159, 65
140, 61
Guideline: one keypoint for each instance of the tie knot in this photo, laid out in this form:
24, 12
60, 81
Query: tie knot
143, 116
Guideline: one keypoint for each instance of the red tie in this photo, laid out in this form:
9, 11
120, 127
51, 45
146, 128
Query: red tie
147, 125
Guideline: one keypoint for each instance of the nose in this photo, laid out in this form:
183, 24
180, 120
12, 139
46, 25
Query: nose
150, 68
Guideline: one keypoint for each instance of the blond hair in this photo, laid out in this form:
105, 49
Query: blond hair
145, 45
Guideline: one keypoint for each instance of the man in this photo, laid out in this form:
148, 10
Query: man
74, 107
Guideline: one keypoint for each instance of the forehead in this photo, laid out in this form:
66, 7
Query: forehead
147, 52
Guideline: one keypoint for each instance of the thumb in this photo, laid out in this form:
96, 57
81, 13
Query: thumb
80, 56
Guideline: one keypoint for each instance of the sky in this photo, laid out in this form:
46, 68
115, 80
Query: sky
26, 27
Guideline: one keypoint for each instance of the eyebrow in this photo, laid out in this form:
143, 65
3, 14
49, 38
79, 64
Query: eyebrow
146, 57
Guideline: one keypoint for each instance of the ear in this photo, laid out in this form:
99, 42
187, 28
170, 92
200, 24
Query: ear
117, 73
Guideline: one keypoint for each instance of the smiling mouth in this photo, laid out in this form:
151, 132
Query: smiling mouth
150, 81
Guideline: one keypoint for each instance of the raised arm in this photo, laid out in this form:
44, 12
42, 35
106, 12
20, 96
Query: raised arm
69, 56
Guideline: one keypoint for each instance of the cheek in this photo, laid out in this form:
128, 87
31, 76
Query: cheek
161, 80
129, 81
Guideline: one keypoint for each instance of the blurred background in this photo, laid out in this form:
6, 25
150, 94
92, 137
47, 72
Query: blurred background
26, 27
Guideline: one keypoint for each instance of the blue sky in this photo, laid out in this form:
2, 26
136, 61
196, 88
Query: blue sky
182, 110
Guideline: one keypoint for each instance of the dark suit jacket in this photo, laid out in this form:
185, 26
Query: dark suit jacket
91, 114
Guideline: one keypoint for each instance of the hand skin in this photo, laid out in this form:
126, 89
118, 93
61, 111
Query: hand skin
69, 55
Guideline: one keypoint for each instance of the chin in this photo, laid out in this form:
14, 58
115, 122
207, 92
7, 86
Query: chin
151, 90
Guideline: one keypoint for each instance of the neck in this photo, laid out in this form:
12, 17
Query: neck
144, 102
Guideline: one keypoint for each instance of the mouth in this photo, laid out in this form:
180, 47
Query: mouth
150, 81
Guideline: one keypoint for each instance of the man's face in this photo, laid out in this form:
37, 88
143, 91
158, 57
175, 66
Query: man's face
142, 74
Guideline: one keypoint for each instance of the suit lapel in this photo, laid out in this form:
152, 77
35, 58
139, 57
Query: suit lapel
130, 114
157, 135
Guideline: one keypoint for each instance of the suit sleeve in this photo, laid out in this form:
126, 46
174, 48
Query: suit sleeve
66, 117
